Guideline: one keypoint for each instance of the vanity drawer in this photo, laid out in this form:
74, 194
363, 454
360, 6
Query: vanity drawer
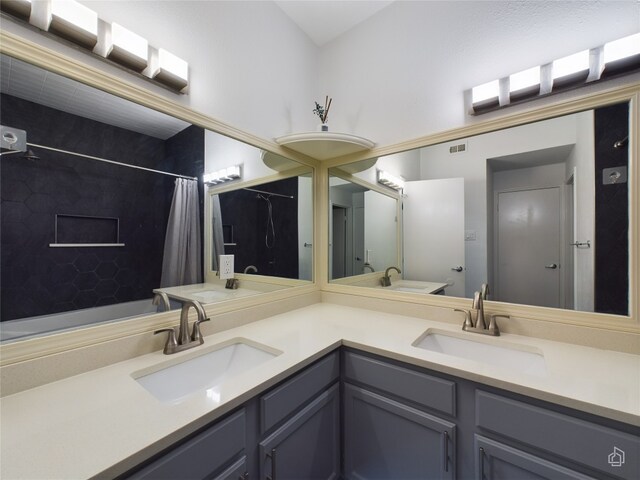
201, 456
280, 402
417, 387
577, 440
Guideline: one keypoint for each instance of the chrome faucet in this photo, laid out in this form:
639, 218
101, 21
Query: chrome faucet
367, 265
386, 280
474, 319
181, 340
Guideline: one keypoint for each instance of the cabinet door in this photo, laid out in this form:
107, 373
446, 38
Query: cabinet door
202, 456
308, 445
385, 439
237, 471
497, 461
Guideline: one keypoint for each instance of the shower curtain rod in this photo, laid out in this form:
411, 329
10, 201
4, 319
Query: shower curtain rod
110, 161
269, 193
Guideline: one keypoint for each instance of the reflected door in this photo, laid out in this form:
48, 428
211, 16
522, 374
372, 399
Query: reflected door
528, 247
433, 233
339, 242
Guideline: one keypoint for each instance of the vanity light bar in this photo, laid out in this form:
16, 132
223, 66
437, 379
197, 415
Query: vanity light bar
617, 57
224, 175
390, 180
79, 24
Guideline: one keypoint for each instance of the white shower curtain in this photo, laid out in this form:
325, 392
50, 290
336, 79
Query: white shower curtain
181, 264
217, 245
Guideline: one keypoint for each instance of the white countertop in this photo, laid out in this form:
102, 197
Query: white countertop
104, 422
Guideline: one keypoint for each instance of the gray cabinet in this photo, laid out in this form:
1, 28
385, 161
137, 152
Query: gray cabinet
204, 456
386, 439
586, 446
497, 461
306, 446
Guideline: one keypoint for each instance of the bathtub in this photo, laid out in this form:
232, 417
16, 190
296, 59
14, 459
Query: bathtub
34, 326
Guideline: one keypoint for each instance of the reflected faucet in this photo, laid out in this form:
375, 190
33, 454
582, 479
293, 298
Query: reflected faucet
162, 300
484, 291
386, 280
177, 342
251, 269
367, 265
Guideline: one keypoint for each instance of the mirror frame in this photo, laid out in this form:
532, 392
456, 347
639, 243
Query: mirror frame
533, 113
54, 61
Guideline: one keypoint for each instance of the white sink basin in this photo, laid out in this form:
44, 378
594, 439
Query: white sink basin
416, 286
489, 350
205, 372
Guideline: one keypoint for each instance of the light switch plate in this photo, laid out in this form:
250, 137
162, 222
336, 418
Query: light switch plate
226, 267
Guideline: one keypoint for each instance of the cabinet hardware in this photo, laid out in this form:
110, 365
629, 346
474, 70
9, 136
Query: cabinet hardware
552, 266
481, 477
244, 476
272, 456
445, 439
457, 269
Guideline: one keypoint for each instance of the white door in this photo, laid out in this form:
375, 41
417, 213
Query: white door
528, 247
433, 232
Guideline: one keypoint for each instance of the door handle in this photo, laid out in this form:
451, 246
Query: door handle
445, 450
553, 266
272, 455
457, 269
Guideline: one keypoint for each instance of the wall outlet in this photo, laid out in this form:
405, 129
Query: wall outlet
226, 267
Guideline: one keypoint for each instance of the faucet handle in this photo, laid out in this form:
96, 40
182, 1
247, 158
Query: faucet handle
172, 341
196, 334
467, 318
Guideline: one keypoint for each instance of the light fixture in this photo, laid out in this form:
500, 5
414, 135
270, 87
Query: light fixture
622, 55
127, 48
390, 180
224, 175
570, 69
74, 22
617, 57
486, 96
524, 84
19, 8
171, 70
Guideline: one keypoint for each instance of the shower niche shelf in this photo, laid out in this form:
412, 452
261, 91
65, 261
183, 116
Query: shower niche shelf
325, 145
78, 231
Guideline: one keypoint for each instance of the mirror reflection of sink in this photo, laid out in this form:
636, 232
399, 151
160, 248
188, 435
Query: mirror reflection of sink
206, 372
416, 286
492, 351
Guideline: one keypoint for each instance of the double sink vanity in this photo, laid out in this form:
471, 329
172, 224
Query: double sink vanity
329, 390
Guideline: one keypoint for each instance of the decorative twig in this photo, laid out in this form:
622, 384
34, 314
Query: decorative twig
323, 112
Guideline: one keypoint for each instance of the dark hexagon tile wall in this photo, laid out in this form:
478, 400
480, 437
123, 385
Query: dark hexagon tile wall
37, 279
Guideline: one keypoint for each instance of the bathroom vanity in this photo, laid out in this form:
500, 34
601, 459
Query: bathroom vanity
399, 421
342, 391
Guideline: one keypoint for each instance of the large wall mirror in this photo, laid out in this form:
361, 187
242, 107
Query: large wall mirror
86, 241
540, 212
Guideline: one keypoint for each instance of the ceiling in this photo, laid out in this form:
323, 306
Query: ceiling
34, 84
325, 20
